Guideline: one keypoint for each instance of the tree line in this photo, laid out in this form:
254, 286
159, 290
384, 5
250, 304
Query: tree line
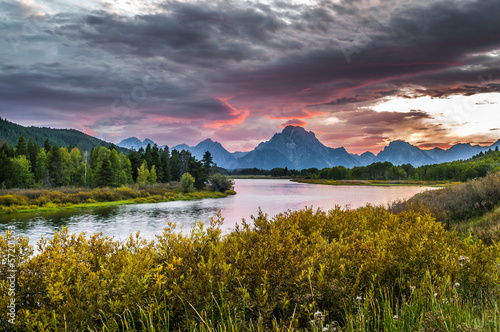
462, 170
27, 165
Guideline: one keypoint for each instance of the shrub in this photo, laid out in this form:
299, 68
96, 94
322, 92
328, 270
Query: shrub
187, 183
456, 202
126, 192
218, 182
15, 199
289, 266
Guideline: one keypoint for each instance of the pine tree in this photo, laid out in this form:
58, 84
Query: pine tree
208, 162
148, 156
165, 166
46, 146
32, 154
5, 168
105, 172
174, 165
155, 159
57, 166
136, 160
195, 168
21, 147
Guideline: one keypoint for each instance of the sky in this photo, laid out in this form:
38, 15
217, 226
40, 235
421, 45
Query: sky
359, 74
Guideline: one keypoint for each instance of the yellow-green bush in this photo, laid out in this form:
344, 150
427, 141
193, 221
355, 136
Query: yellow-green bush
270, 269
14, 199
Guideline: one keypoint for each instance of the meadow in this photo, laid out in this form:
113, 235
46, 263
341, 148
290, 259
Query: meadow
33, 200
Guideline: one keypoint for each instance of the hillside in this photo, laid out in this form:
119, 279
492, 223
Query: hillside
10, 133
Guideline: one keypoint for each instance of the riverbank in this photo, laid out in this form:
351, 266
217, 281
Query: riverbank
260, 177
44, 200
375, 182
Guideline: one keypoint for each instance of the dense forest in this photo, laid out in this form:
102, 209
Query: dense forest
28, 165
10, 133
462, 170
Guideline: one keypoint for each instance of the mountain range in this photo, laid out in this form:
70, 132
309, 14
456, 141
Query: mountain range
297, 148
294, 147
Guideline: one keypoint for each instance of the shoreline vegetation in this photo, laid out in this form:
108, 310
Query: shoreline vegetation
375, 182
45, 200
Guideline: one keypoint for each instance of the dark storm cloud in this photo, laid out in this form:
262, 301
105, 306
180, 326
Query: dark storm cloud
204, 109
188, 33
369, 117
207, 61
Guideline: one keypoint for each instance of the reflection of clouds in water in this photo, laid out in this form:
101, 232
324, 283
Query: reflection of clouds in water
272, 196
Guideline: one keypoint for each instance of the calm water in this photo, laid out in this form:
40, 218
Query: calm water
272, 196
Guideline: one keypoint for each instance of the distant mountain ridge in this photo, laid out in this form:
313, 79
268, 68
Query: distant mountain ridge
297, 148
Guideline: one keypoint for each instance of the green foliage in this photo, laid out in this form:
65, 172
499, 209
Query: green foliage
10, 133
102, 167
360, 268
143, 174
22, 177
152, 175
218, 182
187, 183
21, 147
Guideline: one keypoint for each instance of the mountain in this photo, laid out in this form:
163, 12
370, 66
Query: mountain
181, 147
460, 151
365, 158
239, 154
221, 156
10, 133
295, 148
400, 152
133, 143
435, 153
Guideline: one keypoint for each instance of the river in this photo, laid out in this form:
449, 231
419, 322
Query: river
271, 195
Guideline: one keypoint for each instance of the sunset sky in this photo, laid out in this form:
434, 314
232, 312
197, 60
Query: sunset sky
358, 73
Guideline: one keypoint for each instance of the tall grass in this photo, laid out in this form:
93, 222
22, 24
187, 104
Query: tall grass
456, 203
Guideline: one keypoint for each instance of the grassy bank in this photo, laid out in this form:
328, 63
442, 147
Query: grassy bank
374, 182
472, 206
41, 200
306, 270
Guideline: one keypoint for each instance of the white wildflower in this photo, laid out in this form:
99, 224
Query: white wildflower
462, 259
318, 316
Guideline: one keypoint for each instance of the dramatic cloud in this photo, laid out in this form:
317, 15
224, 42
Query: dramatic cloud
361, 72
